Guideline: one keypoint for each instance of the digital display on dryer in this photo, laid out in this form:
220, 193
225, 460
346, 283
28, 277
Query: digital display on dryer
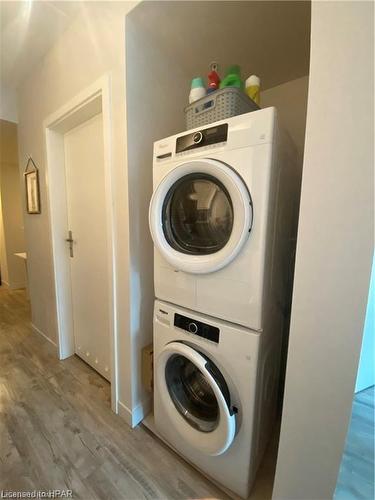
195, 327
205, 137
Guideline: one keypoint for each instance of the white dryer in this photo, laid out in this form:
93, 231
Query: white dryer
215, 392
221, 218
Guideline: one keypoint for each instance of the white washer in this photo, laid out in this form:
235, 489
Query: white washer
221, 218
215, 392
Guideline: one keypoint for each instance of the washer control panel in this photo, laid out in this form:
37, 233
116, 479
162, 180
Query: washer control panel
204, 137
195, 327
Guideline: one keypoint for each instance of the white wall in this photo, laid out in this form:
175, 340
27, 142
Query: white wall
13, 229
3, 252
290, 99
93, 45
155, 100
11, 223
8, 104
334, 252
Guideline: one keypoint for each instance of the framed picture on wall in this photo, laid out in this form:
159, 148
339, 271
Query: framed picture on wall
32, 188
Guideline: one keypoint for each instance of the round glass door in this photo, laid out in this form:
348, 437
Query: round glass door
197, 215
200, 216
192, 394
195, 397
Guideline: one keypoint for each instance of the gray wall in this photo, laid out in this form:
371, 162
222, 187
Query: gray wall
290, 99
154, 101
12, 238
334, 252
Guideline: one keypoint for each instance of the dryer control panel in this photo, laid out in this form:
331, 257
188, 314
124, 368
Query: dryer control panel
195, 327
204, 137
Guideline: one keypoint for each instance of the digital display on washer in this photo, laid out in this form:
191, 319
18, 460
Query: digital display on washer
203, 137
195, 327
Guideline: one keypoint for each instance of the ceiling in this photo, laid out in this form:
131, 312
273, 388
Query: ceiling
268, 38
28, 29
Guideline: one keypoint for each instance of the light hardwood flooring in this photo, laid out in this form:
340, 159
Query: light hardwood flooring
356, 476
57, 430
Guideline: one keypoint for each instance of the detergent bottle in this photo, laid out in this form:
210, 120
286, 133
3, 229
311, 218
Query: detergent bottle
197, 90
252, 86
232, 78
213, 81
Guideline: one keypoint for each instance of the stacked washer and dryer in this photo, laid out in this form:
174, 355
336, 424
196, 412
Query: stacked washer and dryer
222, 218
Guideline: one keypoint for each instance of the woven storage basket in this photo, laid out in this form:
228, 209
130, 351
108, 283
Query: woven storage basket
219, 105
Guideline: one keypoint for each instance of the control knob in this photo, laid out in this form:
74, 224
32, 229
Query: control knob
193, 327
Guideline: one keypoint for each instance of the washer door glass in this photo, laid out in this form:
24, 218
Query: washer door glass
195, 398
192, 393
197, 215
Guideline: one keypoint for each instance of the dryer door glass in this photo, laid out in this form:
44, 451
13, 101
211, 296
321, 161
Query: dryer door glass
197, 215
200, 215
192, 394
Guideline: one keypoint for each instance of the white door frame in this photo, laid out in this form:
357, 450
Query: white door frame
91, 101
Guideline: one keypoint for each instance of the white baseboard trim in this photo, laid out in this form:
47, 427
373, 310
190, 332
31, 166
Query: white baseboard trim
125, 413
17, 286
43, 334
140, 411
135, 416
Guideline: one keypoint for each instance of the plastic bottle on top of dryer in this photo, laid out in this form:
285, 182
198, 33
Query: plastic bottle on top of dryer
197, 90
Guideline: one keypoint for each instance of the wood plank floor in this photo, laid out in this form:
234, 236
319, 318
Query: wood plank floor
57, 430
356, 475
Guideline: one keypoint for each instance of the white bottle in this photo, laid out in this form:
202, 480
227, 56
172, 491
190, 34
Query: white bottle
252, 86
197, 91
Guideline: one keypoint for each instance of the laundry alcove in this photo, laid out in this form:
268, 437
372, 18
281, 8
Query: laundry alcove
167, 44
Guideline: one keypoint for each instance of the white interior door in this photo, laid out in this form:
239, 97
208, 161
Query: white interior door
84, 164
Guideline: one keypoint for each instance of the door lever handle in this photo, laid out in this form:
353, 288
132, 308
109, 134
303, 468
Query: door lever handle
70, 241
